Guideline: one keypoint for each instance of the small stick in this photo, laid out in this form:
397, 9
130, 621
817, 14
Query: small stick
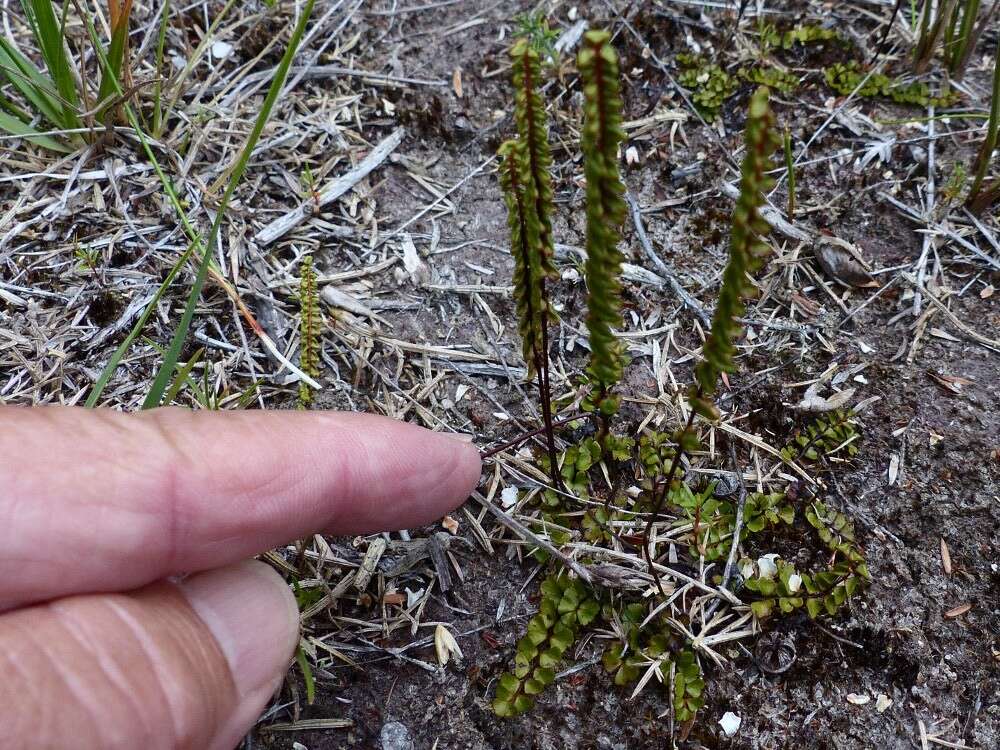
790, 166
284, 224
527, 435
660, 498
525, 533
647, 246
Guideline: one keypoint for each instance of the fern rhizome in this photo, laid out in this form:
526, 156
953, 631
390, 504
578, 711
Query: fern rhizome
621, 493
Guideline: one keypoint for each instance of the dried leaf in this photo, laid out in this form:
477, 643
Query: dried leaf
958, 611
415, 267
842, 266
445, 645
945, 557
951, 383
893, 468
813, 402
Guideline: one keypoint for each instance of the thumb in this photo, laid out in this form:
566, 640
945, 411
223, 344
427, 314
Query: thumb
186, 665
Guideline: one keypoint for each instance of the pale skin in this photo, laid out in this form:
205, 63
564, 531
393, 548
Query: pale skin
130, 612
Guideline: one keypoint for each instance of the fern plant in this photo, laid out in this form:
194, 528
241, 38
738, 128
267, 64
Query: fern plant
780, 586
600, 139
746, 254
309, 328
526, 182
829, 435
566, 605
646, 643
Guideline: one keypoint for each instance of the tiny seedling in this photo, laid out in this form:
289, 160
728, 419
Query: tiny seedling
310, 189
534, 29
88, 258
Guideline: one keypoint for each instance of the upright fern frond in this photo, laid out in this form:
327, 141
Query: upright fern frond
600, 138
533, 131
518, 194
308, 328
528, 192
746, 254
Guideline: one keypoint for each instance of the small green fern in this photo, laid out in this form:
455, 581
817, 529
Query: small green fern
709, 84
846, 78
533, 132
309, 328
518, 193
566, 605
829, 435
785, 589
527, 185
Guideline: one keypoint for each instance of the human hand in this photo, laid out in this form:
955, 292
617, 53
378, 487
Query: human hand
97, 648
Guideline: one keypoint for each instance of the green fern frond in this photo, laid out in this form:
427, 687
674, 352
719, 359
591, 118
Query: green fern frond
746, 254
309, 328
601, 136
519, 194
533, 132
566, 606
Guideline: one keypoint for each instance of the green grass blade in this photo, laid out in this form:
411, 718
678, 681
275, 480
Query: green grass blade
48, 33
158, 87
115, 54
116, 358
31, 83
981, 165
183, 376
15, 126
167, 366
307, 675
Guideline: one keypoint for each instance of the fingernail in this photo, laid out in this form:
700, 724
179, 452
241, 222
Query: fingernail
253, 616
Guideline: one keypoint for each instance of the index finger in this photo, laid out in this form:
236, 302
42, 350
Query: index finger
100, 501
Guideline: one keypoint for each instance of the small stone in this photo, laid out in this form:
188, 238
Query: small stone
882, 702
221, 50
395, 736
858, 699
508, 497
730, 723
726, 484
